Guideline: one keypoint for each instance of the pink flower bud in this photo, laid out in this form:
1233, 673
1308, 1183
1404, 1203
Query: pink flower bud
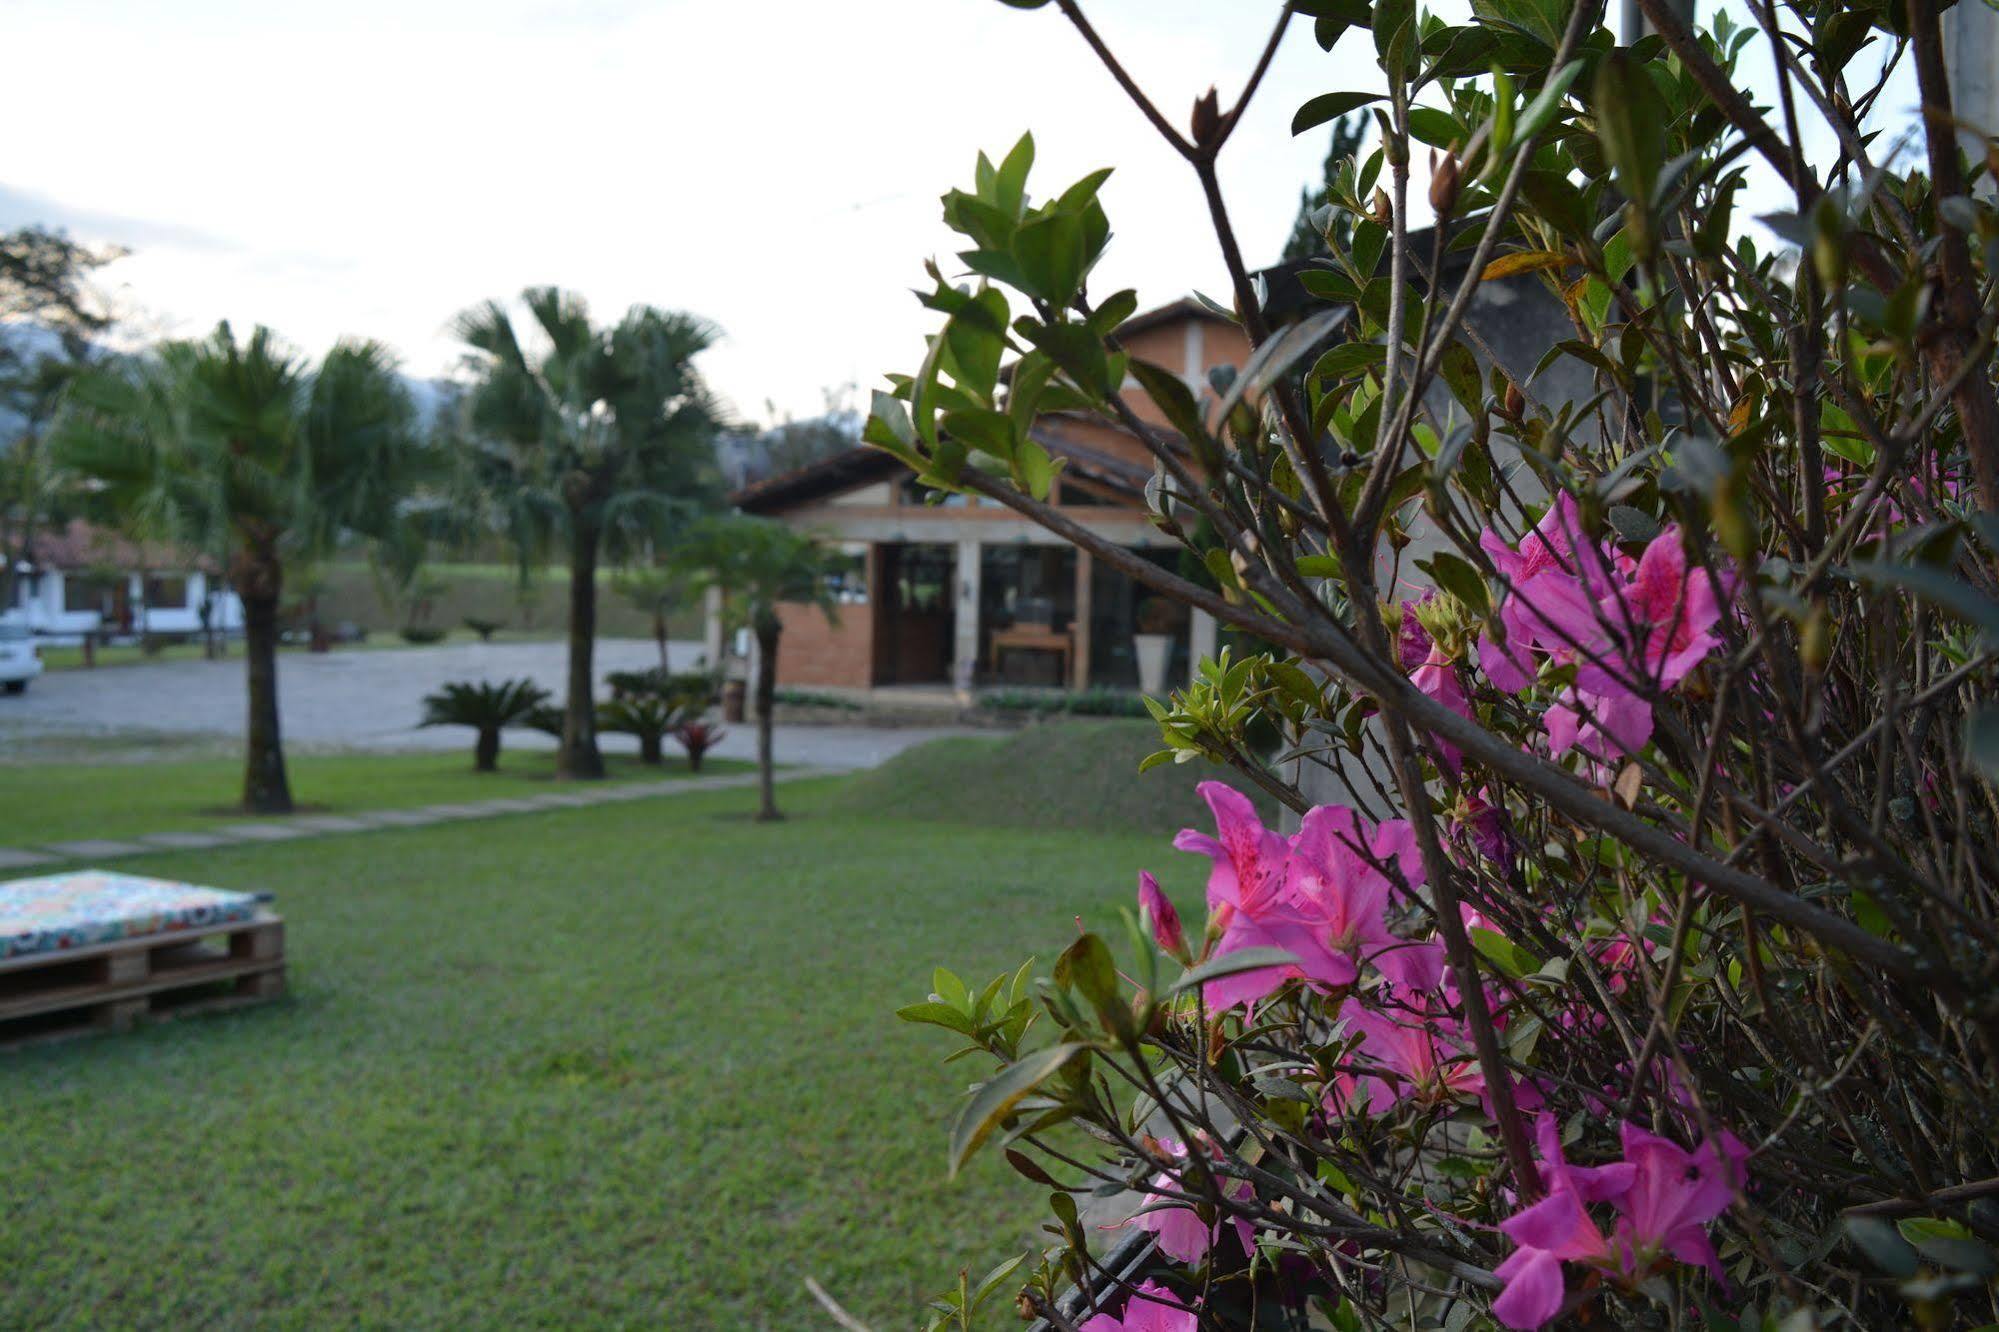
1164, 919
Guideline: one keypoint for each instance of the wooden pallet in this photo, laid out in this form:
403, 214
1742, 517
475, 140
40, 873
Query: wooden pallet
150, 978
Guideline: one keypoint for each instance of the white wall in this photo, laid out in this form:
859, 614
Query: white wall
41, 602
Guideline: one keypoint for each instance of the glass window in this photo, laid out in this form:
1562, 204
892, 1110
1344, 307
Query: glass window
167, 591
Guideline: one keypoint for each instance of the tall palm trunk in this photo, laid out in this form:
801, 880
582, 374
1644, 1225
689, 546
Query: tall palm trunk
579, 756
265, 788
768, 628
486, 752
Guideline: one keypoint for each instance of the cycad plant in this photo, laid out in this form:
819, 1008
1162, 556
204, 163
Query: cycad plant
487, 708
244, 447
595, 440
650, 717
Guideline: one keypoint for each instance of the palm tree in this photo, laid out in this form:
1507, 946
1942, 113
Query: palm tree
595, 438
487, 708
760, 563
242, 447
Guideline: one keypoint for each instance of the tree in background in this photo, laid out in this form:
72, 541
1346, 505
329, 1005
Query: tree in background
656, 591
241, 446
595, 439
1315, 213
50, 318
759, 564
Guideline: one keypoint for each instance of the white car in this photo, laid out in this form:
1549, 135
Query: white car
19, 662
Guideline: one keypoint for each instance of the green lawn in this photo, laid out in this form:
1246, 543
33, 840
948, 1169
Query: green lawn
631, 1066
54, 802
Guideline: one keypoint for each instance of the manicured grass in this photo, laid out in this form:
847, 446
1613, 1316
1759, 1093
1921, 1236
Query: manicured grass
1057, 774
630, 1066
55, 802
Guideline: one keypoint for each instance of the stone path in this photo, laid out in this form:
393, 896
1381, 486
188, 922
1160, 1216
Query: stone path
292, 827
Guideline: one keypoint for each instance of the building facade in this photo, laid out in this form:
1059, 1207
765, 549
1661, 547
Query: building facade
968, 593
81, 580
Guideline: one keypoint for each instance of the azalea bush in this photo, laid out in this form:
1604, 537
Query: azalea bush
1629, 955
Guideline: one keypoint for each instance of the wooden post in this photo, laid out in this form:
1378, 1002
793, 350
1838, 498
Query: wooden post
261, 943
1079, 667
126, 968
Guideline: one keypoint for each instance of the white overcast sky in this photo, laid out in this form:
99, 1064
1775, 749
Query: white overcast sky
373, 166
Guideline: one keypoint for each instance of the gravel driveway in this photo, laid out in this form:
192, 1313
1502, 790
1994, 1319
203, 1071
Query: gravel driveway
371, 699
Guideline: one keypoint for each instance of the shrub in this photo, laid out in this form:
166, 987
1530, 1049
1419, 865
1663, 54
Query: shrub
484, 628
544, 717
1094, 702
487, 708
695, 689
422, 635
1633, 954
697, 738
809, 698
648, 716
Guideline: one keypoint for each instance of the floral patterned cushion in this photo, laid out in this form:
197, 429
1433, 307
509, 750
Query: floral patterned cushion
75, 910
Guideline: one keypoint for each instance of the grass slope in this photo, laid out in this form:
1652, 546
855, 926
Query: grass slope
625, 1066
1058, 775
56, 802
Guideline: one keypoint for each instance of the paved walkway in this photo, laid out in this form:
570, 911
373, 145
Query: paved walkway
293, 827
372, 699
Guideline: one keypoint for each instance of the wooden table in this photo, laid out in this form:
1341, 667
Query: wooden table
1032, 638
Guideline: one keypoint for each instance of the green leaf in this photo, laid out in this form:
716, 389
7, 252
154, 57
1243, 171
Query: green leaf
1328, 106
1050, 253
995, 1100
1439, 129
1086, 966
937, 1015
1037, 470
1543, 108
1010, 182
1460, 371
1631, 124
1171, 395
1506, 956
947, 987
1457, 577
1348, 360
1233, 964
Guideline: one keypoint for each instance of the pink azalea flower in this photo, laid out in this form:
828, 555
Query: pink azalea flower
1490, 833
1672, 618
1421, 1055
1144, 1313
1607, 726
1161, 915
1333, 875
1432, 672
1182, 1235
1547, 560
1665, 1197
1674, 1194
1248, 899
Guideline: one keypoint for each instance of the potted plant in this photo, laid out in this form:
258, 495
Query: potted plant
1157, 619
